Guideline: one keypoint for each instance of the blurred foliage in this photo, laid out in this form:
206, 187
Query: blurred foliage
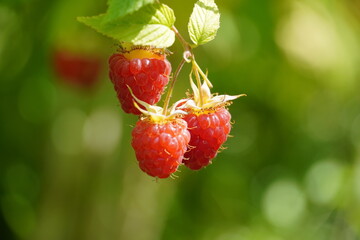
291, 171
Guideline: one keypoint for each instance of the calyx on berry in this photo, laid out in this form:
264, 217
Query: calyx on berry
156, 113
131, 51
202, 97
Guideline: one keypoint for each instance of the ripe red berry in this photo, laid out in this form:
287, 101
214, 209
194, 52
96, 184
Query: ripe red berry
77, 69
160, 147
209, 129
145, 71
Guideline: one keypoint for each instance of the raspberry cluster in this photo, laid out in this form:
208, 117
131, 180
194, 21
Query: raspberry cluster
191, 132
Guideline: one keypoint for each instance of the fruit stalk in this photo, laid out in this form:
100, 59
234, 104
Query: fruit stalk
198, 80
188, 57
169, 93
188, 54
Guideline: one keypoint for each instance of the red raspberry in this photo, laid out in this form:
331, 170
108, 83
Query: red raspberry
146, 72
77, 69
209, 129
160, 147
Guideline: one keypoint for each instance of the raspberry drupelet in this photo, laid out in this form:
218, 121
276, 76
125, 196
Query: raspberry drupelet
146, 71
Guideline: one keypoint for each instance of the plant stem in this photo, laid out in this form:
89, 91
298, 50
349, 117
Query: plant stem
187, 56
195, 69
203, 75
169, 93
187, 48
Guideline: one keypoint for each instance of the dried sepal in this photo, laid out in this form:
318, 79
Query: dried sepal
155, 113
203, 98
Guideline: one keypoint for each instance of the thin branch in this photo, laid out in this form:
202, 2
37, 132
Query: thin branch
195, 69
187, 55
170, 91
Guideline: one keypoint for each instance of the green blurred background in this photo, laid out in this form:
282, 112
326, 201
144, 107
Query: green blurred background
291, 171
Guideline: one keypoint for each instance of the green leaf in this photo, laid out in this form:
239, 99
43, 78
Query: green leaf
120, 8
150, 25
204, 22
